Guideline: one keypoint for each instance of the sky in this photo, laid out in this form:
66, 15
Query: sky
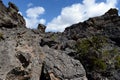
59, 14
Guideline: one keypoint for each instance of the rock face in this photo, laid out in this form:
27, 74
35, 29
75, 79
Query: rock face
23, 58
98, 45
107, 24
95, 43
9, 16
60, 66
84, 51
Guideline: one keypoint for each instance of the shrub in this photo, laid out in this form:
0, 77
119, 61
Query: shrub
110, 54
54, 37
98, 41
92, 51
83, 46
117, 64
100, 64
94, 43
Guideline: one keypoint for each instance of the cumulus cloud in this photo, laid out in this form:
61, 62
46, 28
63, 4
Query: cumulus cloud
30, 4
33, 17
78, 13
42, 21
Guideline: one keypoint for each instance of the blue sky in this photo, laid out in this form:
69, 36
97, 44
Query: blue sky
59, 14
52, 7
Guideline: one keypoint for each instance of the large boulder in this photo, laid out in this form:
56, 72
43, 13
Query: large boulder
59, 66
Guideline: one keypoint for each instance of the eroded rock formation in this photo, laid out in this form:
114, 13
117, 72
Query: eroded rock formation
84, 51
22, 57
9, 16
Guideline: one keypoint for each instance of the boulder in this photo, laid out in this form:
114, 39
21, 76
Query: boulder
59, 66
41, 27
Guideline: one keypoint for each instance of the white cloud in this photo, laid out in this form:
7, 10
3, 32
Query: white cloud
42, 21
33, 17
30, 4
78, 13
35, 12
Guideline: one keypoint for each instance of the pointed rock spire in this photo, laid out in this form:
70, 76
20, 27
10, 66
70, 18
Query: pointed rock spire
112, 11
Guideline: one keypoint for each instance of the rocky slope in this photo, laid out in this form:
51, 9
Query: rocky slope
84, 51
95, 43
22, 57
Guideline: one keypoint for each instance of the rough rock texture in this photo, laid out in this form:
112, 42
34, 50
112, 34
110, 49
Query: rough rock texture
20, 57
41, 28
62, 66
98, 45
95, 43
85, 51
23, 58
9, 16
107, 24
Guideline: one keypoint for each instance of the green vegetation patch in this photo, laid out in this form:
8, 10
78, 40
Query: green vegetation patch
53, 37
93, 53
94, 43
117, 64
100, 64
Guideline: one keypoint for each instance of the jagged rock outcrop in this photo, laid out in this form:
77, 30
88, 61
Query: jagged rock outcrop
98, 45
95, 43
107, 24
23, 58
85, 51
10, 17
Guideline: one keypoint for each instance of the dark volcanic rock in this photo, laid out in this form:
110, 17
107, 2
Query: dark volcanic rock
18, 50
12, 7
41, 27
112, 11
88, 50
96, 38
108, 25
60, 66
10, 17
23, 55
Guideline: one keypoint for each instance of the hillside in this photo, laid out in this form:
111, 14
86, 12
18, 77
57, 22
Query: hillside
88, 50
